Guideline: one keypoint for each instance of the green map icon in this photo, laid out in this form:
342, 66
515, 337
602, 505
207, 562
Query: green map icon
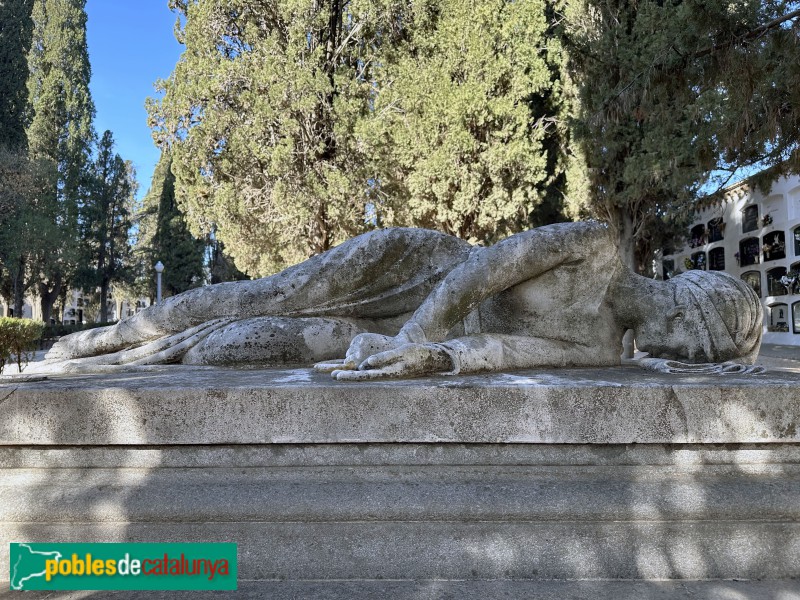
27, 564
123, 565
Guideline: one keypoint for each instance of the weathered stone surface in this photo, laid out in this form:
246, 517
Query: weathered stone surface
556, 296
461, 590
535, 475
402, 493
691, 458
416, 511
385, 549
173, 405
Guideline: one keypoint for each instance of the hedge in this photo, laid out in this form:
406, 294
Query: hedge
17, 338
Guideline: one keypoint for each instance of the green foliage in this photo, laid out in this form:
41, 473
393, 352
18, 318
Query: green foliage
259, 113
17, 173
220, 266
17, 338
61, 132
464, 132
295, 124
672, 92
23, 221
105, 219
165, 236
16, 28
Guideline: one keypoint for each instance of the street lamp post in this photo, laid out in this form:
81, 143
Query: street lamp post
159, 270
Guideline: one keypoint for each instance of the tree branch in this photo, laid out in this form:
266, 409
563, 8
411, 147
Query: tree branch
750, 35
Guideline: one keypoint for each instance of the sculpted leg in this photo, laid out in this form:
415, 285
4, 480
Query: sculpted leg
273, 341
380, 274
259, 341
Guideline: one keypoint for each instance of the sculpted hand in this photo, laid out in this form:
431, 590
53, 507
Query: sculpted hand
409, 360
361, 348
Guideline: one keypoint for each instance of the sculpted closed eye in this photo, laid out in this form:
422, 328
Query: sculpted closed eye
677, 313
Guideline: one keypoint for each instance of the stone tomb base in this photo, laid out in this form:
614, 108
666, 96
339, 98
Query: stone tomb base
529, 477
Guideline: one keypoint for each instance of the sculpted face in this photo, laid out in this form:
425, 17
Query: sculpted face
702, 316
673, 334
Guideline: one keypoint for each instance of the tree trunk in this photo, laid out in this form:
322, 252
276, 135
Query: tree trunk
320, 238
19, 288
49, 296
627, 245
104, 300
627, 252
62, 302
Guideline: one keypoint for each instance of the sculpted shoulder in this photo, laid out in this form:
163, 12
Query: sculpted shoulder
581, 239
580, 229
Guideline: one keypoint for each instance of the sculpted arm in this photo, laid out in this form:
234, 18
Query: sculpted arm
488, 271
474, 354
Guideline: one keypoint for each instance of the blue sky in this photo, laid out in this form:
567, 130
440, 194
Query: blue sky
131, 44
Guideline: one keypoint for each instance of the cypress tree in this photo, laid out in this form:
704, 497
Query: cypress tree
105, 222
464, 131
275, 87
221, 267
166, 236
296, 125
16, 29
672, 92
22, 221
60, 131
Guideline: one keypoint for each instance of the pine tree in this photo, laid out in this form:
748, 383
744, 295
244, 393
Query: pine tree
60, 131
105, 222
16, 30
167, 238
672, 92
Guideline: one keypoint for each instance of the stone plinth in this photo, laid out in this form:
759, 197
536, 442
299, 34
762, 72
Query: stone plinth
191, 405
575, 474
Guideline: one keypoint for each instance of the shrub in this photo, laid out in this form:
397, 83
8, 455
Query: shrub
17, 338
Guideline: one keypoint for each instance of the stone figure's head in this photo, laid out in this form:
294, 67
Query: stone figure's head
707, 316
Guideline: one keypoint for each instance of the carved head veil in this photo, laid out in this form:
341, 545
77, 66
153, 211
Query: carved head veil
730, 311
727, 321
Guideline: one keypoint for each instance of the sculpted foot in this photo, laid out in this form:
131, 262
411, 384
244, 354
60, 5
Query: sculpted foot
86, 343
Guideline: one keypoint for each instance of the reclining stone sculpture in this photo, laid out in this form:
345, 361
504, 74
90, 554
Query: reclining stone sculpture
409, 302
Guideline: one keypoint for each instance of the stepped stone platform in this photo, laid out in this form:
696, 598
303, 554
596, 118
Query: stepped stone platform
614, 483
